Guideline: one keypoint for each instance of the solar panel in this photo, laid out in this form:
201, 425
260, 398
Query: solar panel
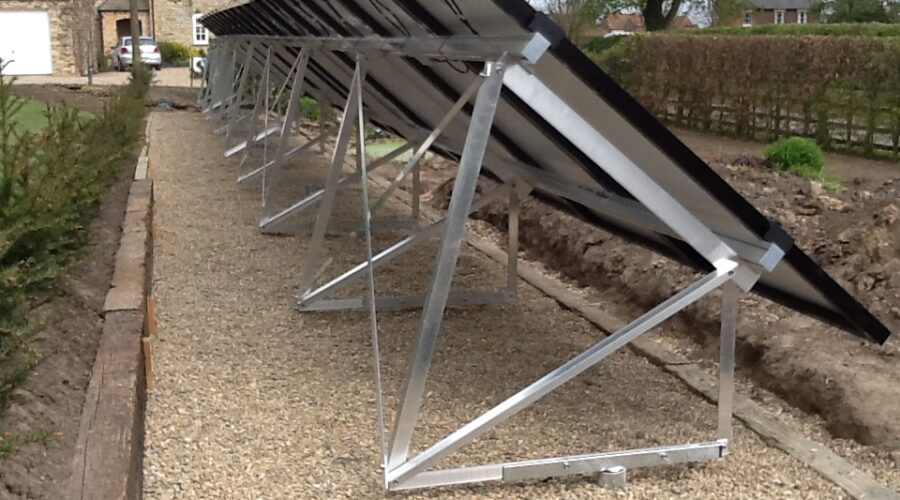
496, 86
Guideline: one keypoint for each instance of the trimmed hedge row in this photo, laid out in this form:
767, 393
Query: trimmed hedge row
178, 54
842, 91
51, 182
834, 29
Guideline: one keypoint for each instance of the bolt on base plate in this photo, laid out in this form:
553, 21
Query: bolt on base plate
613, 478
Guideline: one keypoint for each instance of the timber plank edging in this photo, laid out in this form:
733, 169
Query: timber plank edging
108, 462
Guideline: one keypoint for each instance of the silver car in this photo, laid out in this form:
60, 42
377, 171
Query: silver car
122, 53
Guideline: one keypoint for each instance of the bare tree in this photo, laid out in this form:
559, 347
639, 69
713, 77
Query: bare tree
135, 37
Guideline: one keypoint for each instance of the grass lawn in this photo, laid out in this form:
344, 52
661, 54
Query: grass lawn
32, 117
385, 146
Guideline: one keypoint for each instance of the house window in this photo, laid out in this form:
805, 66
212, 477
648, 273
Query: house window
801, 17
201, 37
779, 17
748, 18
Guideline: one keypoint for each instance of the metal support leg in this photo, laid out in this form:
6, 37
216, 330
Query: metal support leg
445, 263
524, 398
512, 251
288, 125
331, 185
268, 108
325, 108
214, 70
234, 108
204, 86
258, 108
730, 294
417, 191
229, 82
224, 80
265, 136
370, 296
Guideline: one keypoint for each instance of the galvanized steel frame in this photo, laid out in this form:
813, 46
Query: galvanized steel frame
508, 70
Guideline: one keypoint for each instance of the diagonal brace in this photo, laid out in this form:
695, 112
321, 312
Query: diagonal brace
314, 198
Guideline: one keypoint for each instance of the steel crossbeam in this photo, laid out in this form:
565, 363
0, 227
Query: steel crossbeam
459, 48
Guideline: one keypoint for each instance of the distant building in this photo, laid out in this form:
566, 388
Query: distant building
64, 37
776, 12
625, 23
619, 23
115, 21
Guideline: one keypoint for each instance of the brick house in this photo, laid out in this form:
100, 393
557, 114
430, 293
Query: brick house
164, 20
619, 22
776, 12
65, 37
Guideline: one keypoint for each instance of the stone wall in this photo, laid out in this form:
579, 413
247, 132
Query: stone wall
70, 24
173, 18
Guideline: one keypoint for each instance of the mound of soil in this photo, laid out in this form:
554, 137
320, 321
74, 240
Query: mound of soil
854, 234
52, 398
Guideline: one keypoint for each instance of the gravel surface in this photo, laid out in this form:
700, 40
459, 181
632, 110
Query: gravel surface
255, 400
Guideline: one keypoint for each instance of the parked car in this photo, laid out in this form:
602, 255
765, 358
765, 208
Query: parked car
618, 33
122, 53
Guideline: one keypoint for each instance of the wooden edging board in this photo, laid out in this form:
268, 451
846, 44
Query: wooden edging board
108, 462
857, 483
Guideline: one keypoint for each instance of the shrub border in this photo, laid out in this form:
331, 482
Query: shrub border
108, 460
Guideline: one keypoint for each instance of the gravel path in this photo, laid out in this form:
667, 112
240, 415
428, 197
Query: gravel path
255, 400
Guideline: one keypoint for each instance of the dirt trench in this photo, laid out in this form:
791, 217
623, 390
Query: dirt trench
854, 234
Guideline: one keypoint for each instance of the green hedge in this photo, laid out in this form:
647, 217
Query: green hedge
51, 182
177, 53
598, 45
842, 91
836, 29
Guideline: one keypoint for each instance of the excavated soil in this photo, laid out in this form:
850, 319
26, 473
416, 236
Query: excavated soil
94, 99
853, 234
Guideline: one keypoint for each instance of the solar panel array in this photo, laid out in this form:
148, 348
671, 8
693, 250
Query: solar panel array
409, 95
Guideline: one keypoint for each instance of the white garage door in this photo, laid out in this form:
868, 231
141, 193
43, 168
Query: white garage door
25, 42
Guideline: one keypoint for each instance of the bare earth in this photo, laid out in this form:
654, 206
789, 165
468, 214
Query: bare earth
709, 147
255, 400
